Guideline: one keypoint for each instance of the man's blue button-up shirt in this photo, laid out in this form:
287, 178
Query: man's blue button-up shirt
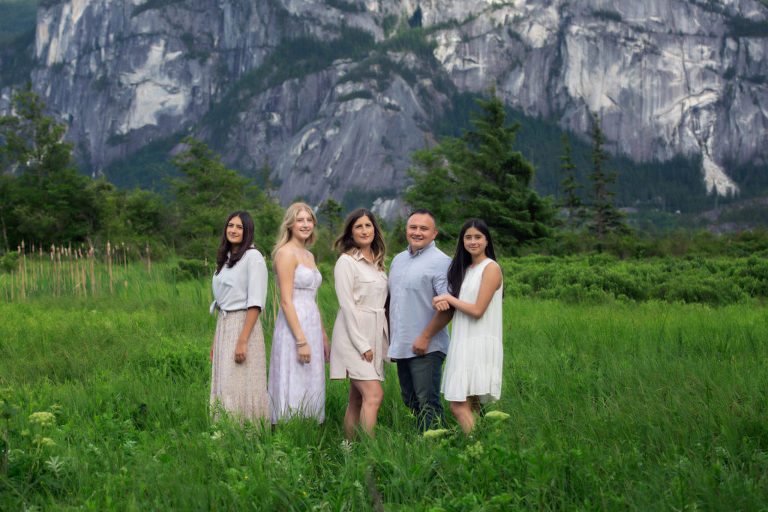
414, 279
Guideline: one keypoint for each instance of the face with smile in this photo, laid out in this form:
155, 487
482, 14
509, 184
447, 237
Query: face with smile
420, 231
475, 242
235, 232
363, 232
303, 226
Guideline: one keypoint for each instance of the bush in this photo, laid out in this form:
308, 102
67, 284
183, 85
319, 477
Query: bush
188, 269
10, 261
603, 277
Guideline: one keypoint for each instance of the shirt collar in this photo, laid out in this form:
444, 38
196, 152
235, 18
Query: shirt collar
414, 254
357, 255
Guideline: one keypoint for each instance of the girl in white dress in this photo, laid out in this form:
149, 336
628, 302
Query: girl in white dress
300, 346
473, 366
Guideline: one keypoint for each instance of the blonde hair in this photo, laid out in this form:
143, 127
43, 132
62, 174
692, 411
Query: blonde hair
289, 219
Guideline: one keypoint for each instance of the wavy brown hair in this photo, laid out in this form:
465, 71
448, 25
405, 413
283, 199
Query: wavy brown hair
345, 244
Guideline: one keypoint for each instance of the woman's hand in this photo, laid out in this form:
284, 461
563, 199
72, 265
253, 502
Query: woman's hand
368, 355
305, 354
442, 302
326, 347
240, 349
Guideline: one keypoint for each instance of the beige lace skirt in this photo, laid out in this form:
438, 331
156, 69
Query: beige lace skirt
239, 389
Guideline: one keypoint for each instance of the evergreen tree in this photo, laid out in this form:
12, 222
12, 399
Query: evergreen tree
332, 214
481, 175
206, 193
45, 199
571, 199
605, 217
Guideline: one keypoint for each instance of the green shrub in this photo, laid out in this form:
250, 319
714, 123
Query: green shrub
10, 261
187, 269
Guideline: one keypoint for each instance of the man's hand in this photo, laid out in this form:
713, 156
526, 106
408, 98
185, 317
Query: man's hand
420, 345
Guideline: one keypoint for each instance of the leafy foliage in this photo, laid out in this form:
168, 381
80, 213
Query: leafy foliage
206, 193
605, 278
481, 175
45, 199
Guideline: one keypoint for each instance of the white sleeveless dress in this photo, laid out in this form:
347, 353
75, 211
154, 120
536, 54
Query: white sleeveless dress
475, 356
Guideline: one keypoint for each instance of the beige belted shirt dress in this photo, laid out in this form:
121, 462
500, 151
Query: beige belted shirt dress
361, 323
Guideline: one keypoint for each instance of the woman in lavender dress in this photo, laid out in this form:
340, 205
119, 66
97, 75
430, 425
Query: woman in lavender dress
299, 346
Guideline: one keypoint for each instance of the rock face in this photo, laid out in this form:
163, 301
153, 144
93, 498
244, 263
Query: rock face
667, 77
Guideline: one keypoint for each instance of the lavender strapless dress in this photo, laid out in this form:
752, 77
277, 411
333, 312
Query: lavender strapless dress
297, 389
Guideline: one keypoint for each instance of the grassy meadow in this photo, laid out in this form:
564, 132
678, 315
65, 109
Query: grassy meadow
615, 403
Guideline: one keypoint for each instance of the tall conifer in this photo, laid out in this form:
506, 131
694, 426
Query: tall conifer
571, 199
482, 175
605, 217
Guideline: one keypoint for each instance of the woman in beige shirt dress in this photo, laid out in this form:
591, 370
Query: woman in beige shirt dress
360, 337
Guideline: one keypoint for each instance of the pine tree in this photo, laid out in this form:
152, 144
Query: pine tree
332, 213
571, 200
481, 175
605, 217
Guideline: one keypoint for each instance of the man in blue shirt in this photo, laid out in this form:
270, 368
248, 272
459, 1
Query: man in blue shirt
418, 336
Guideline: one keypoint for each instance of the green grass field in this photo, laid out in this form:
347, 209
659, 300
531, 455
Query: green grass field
619, 404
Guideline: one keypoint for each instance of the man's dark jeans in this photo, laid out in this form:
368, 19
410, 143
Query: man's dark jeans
420, 388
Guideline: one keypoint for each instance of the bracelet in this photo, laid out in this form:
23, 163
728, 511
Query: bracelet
299, 345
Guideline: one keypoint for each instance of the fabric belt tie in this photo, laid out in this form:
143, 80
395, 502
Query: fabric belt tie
381, 341
222, 313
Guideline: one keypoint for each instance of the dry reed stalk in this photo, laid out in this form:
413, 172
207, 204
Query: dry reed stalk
82, 278
149, 259
125, 265
93, 276
40, 267
52, 272
59, 272
71, 265
109, 266
24, 278
20, 270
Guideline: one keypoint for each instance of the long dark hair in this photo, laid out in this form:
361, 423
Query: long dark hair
225, 246
462, 260
346, 244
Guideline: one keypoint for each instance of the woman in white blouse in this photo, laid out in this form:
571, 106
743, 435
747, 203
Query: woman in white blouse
360, 334
239, 371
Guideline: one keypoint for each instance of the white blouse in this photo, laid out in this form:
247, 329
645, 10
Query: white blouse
244, 285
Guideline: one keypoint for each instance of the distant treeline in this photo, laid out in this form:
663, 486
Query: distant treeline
45, 201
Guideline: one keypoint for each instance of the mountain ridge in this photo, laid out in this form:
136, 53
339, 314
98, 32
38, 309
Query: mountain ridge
668, 79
